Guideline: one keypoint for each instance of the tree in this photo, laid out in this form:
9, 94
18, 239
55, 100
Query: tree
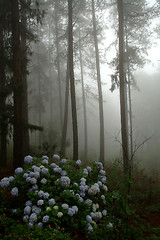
99, 85
123, 102
72, 81
17, 87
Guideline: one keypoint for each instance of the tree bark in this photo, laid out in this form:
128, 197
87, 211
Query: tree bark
101, 115
72, 82
3, 123
65, 121
123, 102
58, 66
17, 85
24, 83
84, 102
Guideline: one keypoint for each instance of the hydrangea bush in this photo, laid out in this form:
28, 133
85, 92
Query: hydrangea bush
56, 191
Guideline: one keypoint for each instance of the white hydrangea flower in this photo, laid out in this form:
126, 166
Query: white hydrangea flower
85, 171
94, 189
65, 181
100, 183
105, 188
104, 212
63, 173
90, 228
30, 225
65, 206
102, 197
110, 225
59, 214
28, 159
14, 191
18, 170
4, 183
97, 216
55, 207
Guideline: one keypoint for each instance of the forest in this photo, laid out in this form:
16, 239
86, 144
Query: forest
79, 119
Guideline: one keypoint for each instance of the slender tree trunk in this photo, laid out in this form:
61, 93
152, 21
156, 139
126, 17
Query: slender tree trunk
123, 106
58, 65
65, 121
101, 115
72, 82
39, 96
24, 84
3, 123
17, 85
84, 101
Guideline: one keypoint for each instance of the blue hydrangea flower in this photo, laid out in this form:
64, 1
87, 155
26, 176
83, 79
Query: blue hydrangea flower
36, 210
53, 165
65, 206
37, 169
44, 171
40, 193
18, 170
33, 218
45, 219
28, 203
28, 159
45, 157
25, 175
75, 208
11, 179
27, 210
78, 162
65, 181
33, 180
102, 172
36, 175
85, 171
40, 202
25, 218
57, 157
45, 161
43, 181
89, 169
103, 180
14, 191
63, 161
90, 228
51, 201
89, 219
71, 212
4, 183
40, 225
46, 195
57, 169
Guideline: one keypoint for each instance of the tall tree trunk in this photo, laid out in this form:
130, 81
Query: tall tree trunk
17, 85
24, 83
72, 82
3, 123
101, 115
123, 102
58, 65
65, 121
84, 102
39, 96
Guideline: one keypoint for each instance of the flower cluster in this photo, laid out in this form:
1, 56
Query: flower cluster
52, 194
